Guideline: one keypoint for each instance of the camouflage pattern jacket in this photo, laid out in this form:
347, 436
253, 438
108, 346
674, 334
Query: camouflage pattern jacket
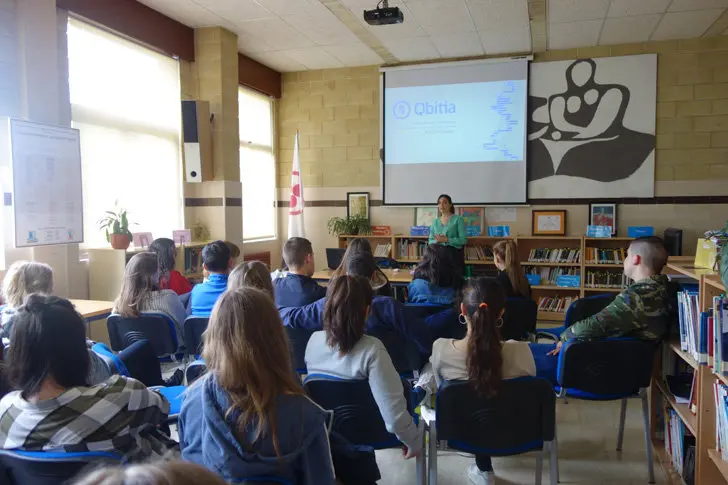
643, 310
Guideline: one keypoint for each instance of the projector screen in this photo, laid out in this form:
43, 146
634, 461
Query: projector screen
457, 128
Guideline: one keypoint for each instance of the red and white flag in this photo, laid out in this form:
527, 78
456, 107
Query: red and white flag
295, 210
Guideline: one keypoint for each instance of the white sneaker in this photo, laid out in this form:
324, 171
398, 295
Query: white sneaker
479, 477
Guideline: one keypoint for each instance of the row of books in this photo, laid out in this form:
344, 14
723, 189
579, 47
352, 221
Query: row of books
554, 255
411, 248
720, 394
693, 326
606, 279
382, 250
550, 275
605, 255
193, 261
478, 253
717, 323
558, 304
680, 445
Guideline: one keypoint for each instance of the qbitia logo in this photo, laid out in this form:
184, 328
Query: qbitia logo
401, 110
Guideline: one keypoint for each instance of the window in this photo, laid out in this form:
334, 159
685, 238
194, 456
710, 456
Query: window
126, 102
257, 165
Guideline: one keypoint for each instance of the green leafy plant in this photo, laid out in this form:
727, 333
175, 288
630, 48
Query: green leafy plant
354, 225
115, 223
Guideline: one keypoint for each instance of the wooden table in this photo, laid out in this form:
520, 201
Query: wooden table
401, 277
95, 313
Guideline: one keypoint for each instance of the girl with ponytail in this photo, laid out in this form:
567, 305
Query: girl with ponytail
511, 274
481, 357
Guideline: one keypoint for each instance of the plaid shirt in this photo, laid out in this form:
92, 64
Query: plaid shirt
119, 415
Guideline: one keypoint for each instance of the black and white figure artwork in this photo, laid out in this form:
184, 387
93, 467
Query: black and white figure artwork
591, 130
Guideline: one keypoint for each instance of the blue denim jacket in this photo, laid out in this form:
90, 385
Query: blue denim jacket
422, 291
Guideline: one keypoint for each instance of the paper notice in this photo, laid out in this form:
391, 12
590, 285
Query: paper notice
495, 215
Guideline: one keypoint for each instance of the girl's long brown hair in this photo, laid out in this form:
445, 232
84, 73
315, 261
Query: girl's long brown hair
507, 251
251, 273
484, 301
356, 245
247, 350
140, 279
345, 311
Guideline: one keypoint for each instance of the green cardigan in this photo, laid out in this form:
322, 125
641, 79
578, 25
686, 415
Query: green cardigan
454, 230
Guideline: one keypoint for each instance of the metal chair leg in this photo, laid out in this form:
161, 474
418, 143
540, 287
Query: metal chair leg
539, 467
553, 463
422, 459
648, 442
622, 415
432, 458
556, 453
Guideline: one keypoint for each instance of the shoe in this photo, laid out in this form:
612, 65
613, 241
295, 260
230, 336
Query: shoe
479, 477
176, 379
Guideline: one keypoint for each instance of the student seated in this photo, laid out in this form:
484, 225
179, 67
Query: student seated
140, 293
54, 409
169, 278
343, 351
481, 357
380, 282
297, 288
252, 274
510, 273
436, 279
249, 415
158, 473
643, 309
234, 253
216, 260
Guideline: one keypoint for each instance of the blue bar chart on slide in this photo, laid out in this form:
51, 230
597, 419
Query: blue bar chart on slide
468, 122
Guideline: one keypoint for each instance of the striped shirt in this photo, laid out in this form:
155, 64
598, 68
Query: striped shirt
119, 415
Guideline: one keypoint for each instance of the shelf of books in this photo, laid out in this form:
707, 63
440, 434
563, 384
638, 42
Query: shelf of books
381, 244
603, 264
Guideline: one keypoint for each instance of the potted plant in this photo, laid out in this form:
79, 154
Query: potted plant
354, 225
116, 226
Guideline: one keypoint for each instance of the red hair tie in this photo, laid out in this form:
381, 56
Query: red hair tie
483, 305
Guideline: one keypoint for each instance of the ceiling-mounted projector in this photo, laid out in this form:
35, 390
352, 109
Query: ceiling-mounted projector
383, 15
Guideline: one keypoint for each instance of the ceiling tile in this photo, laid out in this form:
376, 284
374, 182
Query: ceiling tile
276, 33
293, 7
685, 25
574, 34
354, 54
577, 10
458, 45
278, 60
237, 11
498, 14
628, 8
248, 43
314, 58
412, 48
626, 30
685, 5
442, 16
322, 28
505, 41
186, 12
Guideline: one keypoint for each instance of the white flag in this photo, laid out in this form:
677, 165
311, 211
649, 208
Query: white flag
295, 210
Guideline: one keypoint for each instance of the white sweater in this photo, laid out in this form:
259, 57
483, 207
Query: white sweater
367, 360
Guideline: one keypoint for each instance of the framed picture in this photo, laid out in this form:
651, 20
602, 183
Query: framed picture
425, 215
603, 215
474, 218
548, 223
357, 204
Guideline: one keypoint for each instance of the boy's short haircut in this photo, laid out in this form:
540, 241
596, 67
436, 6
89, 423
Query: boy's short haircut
652, 250
295, 251
234, 249
216, 256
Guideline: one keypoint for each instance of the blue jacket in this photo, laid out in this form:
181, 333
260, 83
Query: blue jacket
211, 439
205, 295
386, 314
422, 291
296, 290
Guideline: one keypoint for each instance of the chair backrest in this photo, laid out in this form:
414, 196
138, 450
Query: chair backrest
298, 338
195, 370
519, 319
404, 353
446, 324
47, 468
519, 418
586, 307
156, 327
112, 361
605, 369
423, 310
192, 330
356, 414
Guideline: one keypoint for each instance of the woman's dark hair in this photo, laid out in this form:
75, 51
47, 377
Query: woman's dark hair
345, 311
165, 250
355, 246
484, 300
438, 268
48, 340
449, 199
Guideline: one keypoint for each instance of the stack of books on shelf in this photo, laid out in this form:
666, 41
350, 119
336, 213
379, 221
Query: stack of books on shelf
549, 276
720, 393
695, 326
680, 444
606, 279
717, 325
554, 255
411, 248
605, 255
557, 304
193, 261
382, 250
478, 253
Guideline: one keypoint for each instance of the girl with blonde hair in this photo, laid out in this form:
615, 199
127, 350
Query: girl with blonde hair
253, 274
511, 275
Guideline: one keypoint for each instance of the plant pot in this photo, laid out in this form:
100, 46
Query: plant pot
120, 241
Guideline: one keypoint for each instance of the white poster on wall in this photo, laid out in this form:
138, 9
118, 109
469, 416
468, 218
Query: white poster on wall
591, 130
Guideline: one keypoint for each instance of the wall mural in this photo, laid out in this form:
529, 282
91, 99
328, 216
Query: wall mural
591, 131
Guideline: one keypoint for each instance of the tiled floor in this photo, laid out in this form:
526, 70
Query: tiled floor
587, 440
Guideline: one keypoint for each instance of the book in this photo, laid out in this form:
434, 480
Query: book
556, 304
554, 255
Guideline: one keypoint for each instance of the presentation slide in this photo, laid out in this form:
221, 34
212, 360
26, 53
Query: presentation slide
473, 122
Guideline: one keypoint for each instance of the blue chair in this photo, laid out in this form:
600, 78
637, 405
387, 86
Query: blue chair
48, 468
192, 330
298, 338
577, 311
446, 324
609, 370
195, 370
158, 328
404, 353
175, 395
424, 310
520, 418
519, 319
356, 414
113, 362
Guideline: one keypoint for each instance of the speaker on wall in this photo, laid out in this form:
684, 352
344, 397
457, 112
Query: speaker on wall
197, 141
673, 241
